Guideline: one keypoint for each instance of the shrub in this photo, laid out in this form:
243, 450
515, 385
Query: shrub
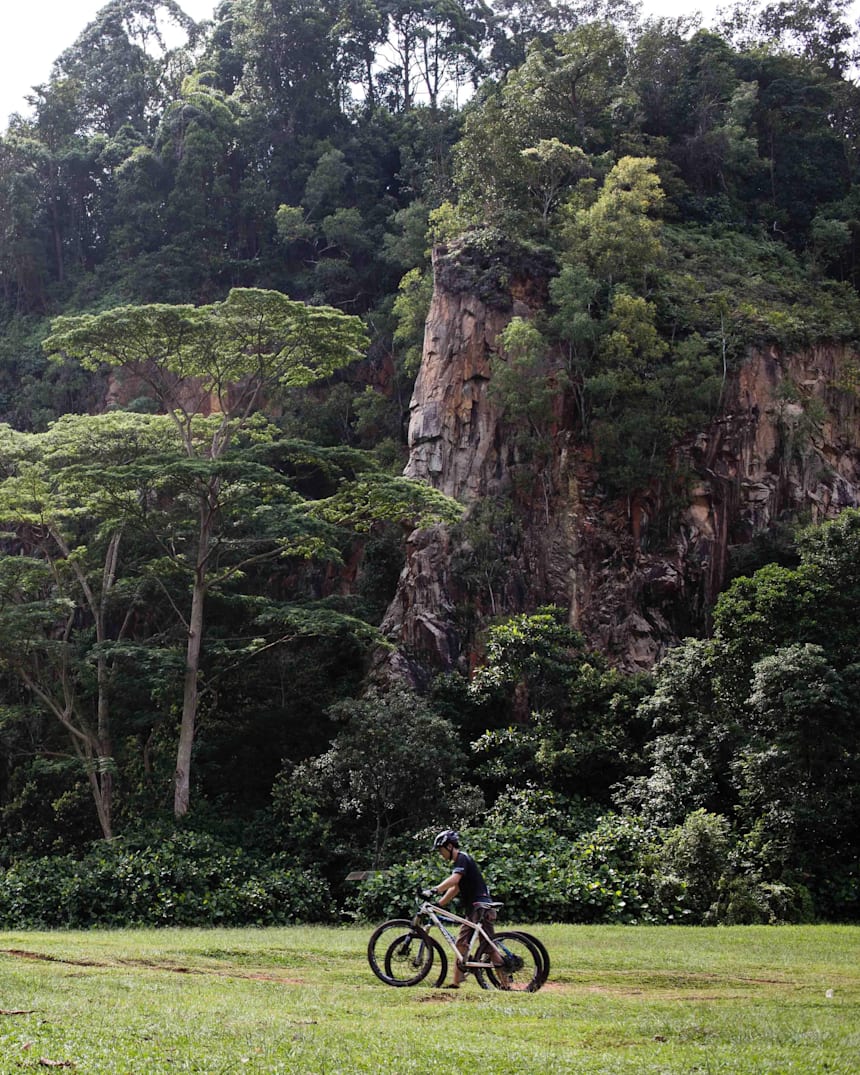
189, 880
745, 901
697, 853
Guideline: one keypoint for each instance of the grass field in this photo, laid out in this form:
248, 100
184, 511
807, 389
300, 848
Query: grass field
620, 1000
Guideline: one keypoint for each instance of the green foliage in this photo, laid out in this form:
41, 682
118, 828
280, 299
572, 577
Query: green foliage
410, 310
380, 498
556, 713
526, 383
392, 765
757, 725
187, 880
745, 901
699, 853
606, 874
621, 237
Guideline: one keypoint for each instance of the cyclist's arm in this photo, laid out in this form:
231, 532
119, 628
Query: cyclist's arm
449, 888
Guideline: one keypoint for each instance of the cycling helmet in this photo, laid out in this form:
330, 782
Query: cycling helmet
447, 836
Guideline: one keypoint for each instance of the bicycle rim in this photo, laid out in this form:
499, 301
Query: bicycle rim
399, 957
522, 971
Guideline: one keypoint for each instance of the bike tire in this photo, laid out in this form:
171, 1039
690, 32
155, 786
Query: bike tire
523, 972
542, 952
380, 941
410, 957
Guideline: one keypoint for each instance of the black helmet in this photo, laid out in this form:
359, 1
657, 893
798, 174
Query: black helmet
447, 836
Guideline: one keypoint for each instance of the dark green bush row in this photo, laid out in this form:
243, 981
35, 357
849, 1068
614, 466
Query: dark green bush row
188, 880
620, 871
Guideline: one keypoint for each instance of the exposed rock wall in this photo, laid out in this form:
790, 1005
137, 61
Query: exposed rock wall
787, 442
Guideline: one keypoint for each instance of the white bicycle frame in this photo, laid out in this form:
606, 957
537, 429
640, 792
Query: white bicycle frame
440, 915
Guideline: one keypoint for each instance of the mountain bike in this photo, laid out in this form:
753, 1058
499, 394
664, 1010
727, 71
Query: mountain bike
401, 951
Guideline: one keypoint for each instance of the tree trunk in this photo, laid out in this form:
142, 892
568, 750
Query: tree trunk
188, 726
103, 786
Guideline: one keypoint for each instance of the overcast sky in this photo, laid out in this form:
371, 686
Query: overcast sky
35, 32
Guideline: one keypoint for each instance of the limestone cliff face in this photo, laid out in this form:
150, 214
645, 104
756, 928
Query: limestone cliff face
787, 442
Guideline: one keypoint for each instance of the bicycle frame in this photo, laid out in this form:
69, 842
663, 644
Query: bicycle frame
440, 915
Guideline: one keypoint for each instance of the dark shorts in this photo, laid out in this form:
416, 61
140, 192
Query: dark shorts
478, 912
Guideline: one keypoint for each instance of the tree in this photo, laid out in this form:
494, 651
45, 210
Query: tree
230, 358
526, 382
620, 231
759, 723
577, 324
555, 712
394, 766
799, 772
819, 30
115, 69
435, 44
289, 60
196, 142
627, 396
565, 93
554, 166
24, 267
694, 738
69, 597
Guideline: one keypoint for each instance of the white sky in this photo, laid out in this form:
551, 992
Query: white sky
35, 32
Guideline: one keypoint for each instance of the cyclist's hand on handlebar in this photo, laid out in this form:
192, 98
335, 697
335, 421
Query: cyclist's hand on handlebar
429, 893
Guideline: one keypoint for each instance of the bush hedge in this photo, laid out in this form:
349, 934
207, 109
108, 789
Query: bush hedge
189, 879
620, 871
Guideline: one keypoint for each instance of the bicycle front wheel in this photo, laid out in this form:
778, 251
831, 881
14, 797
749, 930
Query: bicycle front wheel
521, 969
379, 943
410, 957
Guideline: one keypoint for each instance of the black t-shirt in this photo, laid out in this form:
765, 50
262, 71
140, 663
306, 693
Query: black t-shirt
473, 887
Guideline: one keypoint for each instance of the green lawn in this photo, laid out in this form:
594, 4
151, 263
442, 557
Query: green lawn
620, 1000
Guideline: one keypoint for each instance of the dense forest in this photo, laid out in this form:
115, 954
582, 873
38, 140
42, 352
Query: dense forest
215, 269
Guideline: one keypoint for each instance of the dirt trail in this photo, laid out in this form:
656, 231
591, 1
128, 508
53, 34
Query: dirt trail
152, 964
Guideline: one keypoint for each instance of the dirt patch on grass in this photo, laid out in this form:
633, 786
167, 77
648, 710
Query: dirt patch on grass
154, 964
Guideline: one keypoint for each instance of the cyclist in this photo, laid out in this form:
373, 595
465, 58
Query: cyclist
467, 882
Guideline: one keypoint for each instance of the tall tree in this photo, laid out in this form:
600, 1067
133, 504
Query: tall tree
115, 71
230, 358
68, 596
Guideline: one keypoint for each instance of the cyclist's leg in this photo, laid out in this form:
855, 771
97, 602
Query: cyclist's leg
487, 920
464, 942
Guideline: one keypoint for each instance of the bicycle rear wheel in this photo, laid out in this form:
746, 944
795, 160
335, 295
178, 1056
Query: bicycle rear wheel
522, 967
542, 952
410, 957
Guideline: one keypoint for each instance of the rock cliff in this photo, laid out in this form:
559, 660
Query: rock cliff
785, 445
